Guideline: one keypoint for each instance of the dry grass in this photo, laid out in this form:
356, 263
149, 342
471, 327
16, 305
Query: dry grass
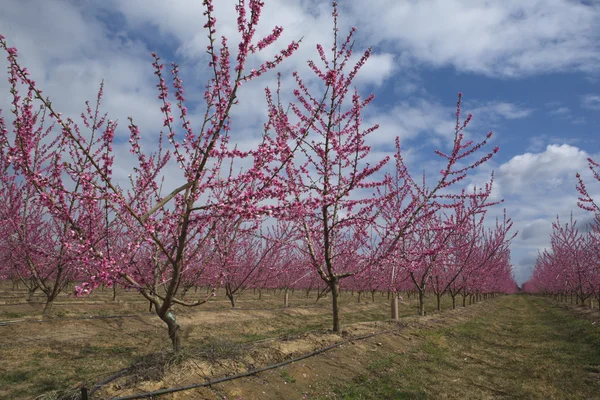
58, 356
511, 347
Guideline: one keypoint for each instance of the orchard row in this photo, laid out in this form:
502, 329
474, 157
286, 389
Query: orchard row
311, 207
571, 266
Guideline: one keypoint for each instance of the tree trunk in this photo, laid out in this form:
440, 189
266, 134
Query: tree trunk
454, 302
373, 296
174, 331
286, 299
48, 306
359, 294
464, 296
335, 291
114, 298
394, 304
30, 293
421, 302
183, 291
231, 299
439, 306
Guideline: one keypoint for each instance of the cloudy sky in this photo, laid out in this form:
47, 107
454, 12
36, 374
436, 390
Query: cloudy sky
529, 71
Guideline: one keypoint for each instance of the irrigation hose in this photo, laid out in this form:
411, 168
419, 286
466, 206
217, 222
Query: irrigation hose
108, 380
251, 372
119, 373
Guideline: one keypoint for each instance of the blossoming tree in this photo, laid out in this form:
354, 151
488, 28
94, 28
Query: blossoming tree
164, 231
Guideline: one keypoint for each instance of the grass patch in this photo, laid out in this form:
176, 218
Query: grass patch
11, 314
14, 377
285, 375
254, 337
523, 348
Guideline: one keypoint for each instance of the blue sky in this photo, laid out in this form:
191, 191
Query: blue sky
529, 71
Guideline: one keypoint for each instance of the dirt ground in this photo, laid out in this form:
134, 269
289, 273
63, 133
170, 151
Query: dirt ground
310, 378
86, 340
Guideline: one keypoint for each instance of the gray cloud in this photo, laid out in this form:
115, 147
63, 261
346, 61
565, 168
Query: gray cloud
536, 230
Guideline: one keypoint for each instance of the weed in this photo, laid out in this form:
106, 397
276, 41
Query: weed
285, 375
13, 377
11, 314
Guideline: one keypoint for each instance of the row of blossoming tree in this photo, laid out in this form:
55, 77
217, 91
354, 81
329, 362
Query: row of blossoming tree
571, 267
307, 211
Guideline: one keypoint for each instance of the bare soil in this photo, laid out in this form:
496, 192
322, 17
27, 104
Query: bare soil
481, 351
86, 340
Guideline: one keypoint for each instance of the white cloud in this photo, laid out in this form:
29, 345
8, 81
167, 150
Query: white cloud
562, 111
495, 110
409, 120
591, 102
538, 171
537, 187
378, 68
508, 38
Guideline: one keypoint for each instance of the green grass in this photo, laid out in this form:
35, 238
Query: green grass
380, 382
13, 377
11, 315
54, 385
285, 375
524, 348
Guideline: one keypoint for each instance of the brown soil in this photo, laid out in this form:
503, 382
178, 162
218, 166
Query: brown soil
69, 350
304, 378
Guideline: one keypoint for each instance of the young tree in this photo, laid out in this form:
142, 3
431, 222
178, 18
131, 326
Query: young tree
41, 245
248, 255
328, 173
570, 266
473, 251
410, 239
163, 232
